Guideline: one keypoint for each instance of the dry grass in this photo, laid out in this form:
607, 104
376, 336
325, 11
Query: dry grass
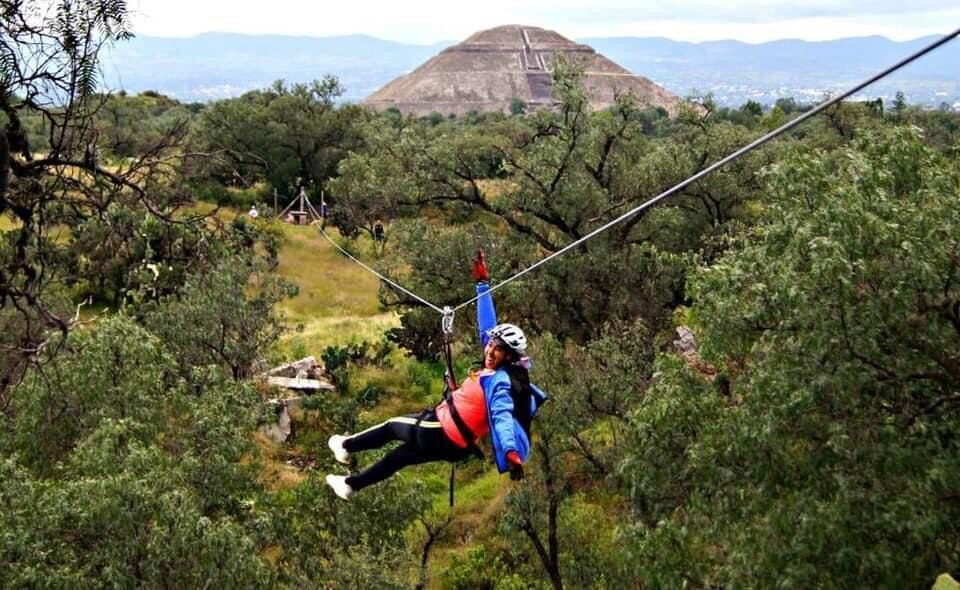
315, 334
275, 474
331, 285
7, 222
337, 303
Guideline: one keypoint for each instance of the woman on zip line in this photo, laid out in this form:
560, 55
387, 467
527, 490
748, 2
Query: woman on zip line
498, 400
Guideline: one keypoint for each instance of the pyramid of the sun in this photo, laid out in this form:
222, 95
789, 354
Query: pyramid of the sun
493, 67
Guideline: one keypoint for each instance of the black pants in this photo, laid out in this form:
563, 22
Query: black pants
423, 441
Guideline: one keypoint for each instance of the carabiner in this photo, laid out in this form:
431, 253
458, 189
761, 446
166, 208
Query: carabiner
446, 323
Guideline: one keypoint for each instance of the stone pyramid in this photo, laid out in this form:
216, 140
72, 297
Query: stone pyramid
493, 67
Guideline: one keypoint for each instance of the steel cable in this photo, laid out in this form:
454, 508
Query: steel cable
653, 201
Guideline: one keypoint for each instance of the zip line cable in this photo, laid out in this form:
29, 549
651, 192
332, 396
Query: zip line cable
439, 310
448, 312
747, 148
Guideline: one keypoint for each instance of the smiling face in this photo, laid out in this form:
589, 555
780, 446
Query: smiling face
495, 354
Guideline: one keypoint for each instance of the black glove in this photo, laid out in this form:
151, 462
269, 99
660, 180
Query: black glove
515, 465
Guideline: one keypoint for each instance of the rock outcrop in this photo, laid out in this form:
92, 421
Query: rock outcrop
296, 379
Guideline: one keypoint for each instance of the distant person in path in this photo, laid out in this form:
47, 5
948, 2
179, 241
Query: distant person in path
498, 399
253, 212
378, 234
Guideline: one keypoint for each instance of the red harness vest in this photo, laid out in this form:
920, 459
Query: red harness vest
472, 408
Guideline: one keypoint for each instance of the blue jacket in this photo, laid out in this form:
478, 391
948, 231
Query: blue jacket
506, 433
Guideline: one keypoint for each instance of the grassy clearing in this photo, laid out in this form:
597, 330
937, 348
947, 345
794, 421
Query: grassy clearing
7, 223
331, 285
312, 336
337, 303
479, 496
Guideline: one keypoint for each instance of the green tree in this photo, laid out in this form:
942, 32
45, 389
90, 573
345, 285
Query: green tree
288, 135
363, 543
49, 74
580, 435
517, 107
117, 473
787, 105
899, 105
129, 126
224, 317
752, 108
832, 460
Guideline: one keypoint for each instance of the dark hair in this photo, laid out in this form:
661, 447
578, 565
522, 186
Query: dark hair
512, 354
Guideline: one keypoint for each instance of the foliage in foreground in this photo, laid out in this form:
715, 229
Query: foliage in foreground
832, 461
117, 473
121, 470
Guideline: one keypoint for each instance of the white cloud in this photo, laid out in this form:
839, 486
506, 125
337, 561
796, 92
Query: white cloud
810, 29
428, 21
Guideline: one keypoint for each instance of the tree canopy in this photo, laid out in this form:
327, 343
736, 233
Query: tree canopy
753, 384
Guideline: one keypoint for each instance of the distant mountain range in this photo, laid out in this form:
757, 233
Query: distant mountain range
221, 65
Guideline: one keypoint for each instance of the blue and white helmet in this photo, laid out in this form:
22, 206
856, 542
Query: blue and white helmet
512, 336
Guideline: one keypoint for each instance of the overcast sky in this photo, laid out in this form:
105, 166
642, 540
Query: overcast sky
429, 21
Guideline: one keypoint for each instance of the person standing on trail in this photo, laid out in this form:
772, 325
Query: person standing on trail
497, 399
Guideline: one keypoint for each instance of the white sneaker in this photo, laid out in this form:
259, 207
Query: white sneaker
339, 452
340, 486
